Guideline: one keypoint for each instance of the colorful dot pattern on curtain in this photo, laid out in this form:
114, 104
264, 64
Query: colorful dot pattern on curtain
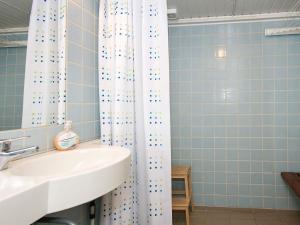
45, 73
117, 100
156, 107
133, 53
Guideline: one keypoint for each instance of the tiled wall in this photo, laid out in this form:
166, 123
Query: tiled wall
82, 85
12, 71
236, 120
82, 69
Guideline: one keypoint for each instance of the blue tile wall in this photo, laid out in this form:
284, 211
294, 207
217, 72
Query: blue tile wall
12, 71
82, 70
236, 120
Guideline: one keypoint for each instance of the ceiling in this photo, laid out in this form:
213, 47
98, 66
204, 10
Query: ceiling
14, 13
213, 8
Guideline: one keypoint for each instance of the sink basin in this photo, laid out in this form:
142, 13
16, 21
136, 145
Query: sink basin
65, 163
55, 181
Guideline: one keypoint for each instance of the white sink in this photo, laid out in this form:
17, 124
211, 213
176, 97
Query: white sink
65, 163
55, 181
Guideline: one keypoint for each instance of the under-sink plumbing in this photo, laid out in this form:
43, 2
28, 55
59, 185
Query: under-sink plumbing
7, 155
56, 220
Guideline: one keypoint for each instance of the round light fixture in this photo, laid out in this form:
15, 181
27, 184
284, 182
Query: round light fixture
220, 53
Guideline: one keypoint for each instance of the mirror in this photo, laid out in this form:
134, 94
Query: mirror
32, 64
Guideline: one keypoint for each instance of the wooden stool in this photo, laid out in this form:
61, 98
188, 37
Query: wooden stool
182, 199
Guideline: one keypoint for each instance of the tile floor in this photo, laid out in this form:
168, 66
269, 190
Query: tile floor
223, 216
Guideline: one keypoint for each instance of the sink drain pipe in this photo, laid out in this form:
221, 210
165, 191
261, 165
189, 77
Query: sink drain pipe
94, 209
56, 220
92, 213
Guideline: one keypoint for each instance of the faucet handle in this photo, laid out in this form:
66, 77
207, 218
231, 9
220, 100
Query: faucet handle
5, 144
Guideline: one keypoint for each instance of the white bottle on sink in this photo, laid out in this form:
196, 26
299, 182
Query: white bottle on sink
66, 139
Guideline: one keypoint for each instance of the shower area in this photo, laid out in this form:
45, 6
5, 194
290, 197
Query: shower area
235, 109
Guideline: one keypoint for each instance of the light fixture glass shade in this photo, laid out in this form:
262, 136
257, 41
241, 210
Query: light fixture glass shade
220, 53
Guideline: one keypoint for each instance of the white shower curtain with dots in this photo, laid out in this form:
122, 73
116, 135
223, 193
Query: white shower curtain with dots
135, 108
45, 73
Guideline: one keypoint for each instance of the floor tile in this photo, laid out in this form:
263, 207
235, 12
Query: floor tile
221, 216
242, 222
290, 218
269, 215
242, 215
268, 222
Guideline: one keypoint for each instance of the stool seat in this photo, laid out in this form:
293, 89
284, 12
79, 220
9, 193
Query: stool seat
180, 171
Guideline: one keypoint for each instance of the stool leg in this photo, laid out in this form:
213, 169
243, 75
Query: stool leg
187, 216
187, 187
191, 192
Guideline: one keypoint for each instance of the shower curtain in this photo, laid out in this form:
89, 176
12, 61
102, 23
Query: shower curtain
135, 108
45, 73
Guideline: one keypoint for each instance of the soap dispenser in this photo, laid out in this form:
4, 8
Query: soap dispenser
66, 139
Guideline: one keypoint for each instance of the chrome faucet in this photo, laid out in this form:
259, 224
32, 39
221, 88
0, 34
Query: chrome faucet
7, 155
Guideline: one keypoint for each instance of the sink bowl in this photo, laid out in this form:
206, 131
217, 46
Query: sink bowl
55, 181
66, 163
